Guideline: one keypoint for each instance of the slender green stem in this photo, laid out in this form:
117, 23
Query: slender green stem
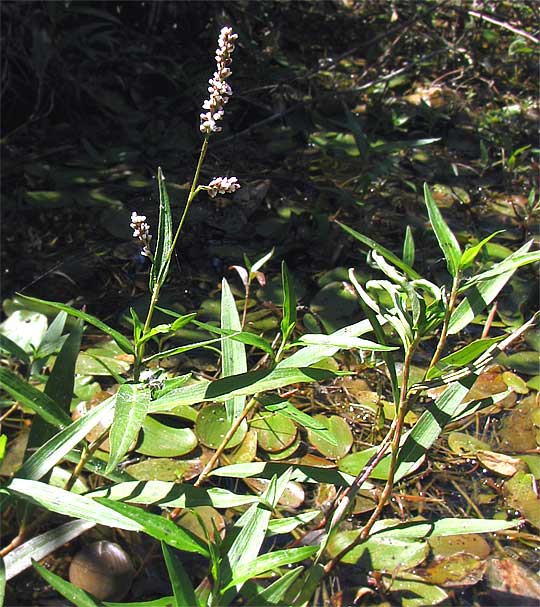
447, 315
139, 354
394, 435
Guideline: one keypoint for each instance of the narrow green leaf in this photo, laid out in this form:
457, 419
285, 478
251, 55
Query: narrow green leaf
69, 591
131, 406
301, 474
273, 594
288, 321
245, 337
69, 504
288, 409
267, 562
14, 350
157, 526
260, 262
469, 255
279, 526
511, 263
343, 342
447, 241
32, 398
246, 383
408, 248
161, 261
463, 356
42, 545
122, 341
233, 353
173, 495
56, 448
415, 530
181, 349
394, 259
62, 378
184, 593
53, 339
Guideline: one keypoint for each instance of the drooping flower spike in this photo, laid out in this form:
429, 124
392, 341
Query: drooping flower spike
222, 185
219, 89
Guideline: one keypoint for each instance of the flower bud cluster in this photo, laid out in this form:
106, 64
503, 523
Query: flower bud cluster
141, 231
222, 185
219, 89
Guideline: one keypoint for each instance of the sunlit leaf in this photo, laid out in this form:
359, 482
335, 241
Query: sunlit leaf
131, 406
120, 339
156, 526
233, 353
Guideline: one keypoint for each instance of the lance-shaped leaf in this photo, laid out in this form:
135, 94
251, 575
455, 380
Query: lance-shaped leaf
481, 290
33, 398
233, 353
157, 527
246, 383
447, 241
122, 341
161, 261
131, 406
69, 504
288, 321
184, 593
72, 593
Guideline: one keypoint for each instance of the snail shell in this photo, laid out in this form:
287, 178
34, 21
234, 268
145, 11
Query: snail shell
104, 569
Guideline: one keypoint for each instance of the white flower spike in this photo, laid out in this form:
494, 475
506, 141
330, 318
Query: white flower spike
222, 185
219, 89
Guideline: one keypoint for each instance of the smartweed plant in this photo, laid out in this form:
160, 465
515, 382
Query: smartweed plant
401, 309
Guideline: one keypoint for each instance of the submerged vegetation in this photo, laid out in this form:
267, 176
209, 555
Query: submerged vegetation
311, 383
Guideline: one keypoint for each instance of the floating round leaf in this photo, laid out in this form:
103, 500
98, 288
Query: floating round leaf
160, 440
201, 519
472, 543
341, 432
212, 426
275, 431
165, 469
247, 450
287, 452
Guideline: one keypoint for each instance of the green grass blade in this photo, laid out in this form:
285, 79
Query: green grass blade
244, 384
288, 321
233, 353
273, 594
160, 264
122, 341
56, 448
408, 248
33, 398
157, 527
267, 562
516, 260
131, 406
445, 237
184, 593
